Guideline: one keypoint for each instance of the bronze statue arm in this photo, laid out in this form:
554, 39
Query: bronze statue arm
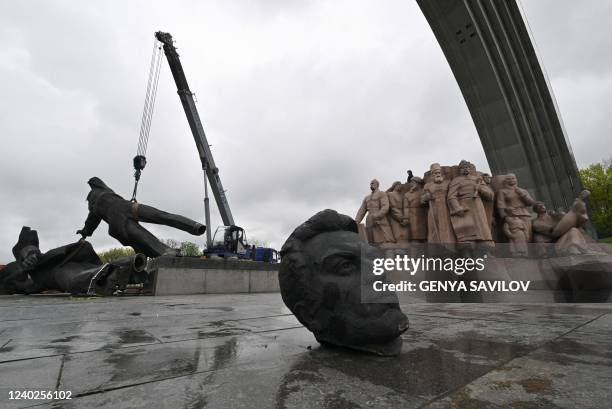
91, 224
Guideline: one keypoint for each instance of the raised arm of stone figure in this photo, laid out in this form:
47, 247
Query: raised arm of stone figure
525, 196
580, 208
91, 224
486, 193
361, 212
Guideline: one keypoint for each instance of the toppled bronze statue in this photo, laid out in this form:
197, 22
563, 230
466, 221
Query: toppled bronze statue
320, 282
123, 216
74, 268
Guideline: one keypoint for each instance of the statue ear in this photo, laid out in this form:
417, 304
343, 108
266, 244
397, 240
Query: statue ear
301, 312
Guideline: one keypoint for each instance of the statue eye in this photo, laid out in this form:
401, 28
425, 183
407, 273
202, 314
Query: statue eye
345, 267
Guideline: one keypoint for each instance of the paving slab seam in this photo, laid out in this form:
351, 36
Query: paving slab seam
96, 300
101, 391
125, 347
59, 374
228, 336
483, 319
6, 343
514, 310
501, 365
140, 317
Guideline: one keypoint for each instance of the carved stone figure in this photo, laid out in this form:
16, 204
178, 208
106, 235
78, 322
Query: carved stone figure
565, 230
466, 193
489, 206
406, 186
320, 281
74, 268
512, 201
439, 229
376, 205
415, 212
515, 230
123, 216
399, 227
576, 217
544, 223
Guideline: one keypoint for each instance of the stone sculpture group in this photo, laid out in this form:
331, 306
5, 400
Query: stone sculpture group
460, 206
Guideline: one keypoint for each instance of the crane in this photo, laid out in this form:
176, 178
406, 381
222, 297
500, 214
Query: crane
234, 242
208, 163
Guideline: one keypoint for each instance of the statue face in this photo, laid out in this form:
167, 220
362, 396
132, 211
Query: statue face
464, 170
373, 185
437, 175
584, 194
397, 187
335, 260
511, 180
540, 208
487, 179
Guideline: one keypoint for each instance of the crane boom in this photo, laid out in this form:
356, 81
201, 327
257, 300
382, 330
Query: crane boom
186, 96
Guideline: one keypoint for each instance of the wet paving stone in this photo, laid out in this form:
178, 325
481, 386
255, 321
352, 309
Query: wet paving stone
570, 372
245, 351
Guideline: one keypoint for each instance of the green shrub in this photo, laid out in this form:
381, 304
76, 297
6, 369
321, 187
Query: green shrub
113, 254
597, 178
189, 249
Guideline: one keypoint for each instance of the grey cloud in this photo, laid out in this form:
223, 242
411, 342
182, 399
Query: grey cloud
303, 102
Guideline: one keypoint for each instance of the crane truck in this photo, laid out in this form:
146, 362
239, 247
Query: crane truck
234, 243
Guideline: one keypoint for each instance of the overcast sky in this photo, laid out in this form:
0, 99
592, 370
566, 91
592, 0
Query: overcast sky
303, 101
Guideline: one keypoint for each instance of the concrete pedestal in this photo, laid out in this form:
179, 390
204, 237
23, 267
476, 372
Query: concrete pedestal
186, 275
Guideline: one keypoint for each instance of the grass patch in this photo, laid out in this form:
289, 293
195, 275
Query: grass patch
607, 240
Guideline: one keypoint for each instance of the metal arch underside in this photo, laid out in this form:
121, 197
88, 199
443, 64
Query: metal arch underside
491, 54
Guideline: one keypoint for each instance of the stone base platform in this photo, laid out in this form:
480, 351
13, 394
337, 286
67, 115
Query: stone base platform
190, 275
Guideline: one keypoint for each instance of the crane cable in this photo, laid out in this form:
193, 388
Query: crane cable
140, 159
